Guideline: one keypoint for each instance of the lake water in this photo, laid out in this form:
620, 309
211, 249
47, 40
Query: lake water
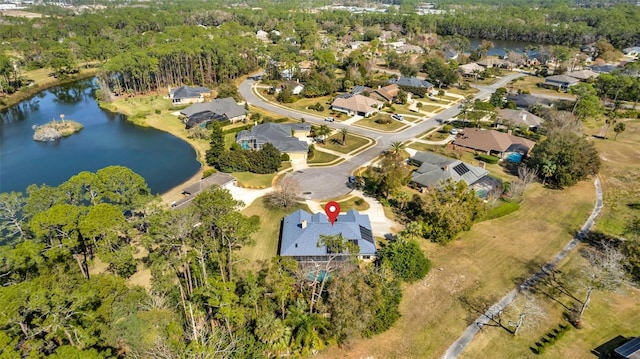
107, 139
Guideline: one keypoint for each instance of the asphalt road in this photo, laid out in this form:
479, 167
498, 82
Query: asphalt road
320, 183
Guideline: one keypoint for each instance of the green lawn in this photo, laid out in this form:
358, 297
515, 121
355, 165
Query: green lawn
458, 91
421, 146
429, 108
350, 203
436, 136
320, 157
267, 237
334, 143
370, 123
253, 180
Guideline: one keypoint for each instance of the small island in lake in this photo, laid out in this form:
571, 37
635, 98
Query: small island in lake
56, 129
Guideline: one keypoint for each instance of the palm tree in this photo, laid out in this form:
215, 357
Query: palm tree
306, 328
344, 132
323, 132
396, 147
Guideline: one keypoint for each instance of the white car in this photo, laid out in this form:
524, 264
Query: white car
397, 117
454, 131
329, 119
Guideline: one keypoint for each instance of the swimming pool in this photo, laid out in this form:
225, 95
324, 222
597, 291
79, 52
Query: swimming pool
514, 157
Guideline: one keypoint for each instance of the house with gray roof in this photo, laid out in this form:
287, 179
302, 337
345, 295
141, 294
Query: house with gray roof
519, 118
434, 169
560, 82
187, 94
412, 82
527, 101
283, 136
301, 232
220, 109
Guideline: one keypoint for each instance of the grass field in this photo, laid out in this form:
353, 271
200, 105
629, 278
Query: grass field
436, 136
350, 203
371, 123
458, 91
320, 157
608, 315
485, 262
620, 175
266, 239
429, 108
248, 179
334, 143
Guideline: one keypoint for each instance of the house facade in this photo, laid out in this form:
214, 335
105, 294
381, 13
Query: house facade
301, 233
185, 95
287, 138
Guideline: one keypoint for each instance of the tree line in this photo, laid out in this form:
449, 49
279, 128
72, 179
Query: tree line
68, 251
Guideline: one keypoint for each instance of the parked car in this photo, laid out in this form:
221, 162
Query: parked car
397, 117
454, 131
329, 119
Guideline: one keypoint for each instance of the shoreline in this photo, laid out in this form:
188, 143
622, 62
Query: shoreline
20, 96
175, 192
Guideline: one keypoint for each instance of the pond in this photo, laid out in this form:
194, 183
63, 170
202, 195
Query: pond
107, 139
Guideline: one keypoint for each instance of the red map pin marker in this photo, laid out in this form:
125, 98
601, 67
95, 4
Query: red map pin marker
332, 209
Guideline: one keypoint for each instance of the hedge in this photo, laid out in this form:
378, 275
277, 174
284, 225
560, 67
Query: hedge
487, 158
502, 210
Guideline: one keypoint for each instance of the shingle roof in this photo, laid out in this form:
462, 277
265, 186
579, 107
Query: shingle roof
491, 140
524, 100
217, 179
357, 103
583, 74
562, 79
279, 135
604, 68
221, 106
470, 68
188, 92
520, 117
388, 92
435, 168
411, 82
298, 241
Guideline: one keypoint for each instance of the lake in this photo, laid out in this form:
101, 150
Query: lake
107, 139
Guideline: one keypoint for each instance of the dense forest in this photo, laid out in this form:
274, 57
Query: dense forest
68, 251
142, 49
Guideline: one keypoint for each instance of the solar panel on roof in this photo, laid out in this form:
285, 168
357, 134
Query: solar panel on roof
366, 234
461, 169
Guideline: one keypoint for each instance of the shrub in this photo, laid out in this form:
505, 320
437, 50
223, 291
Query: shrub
285, 157
383, 121
359, 202
446, 128
502, 210
208, 172
487, 158
406, 260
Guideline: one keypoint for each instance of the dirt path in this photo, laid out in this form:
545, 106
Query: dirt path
461, 343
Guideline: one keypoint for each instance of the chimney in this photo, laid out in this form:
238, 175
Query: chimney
303, 224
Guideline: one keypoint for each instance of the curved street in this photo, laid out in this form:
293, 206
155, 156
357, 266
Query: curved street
328, 182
